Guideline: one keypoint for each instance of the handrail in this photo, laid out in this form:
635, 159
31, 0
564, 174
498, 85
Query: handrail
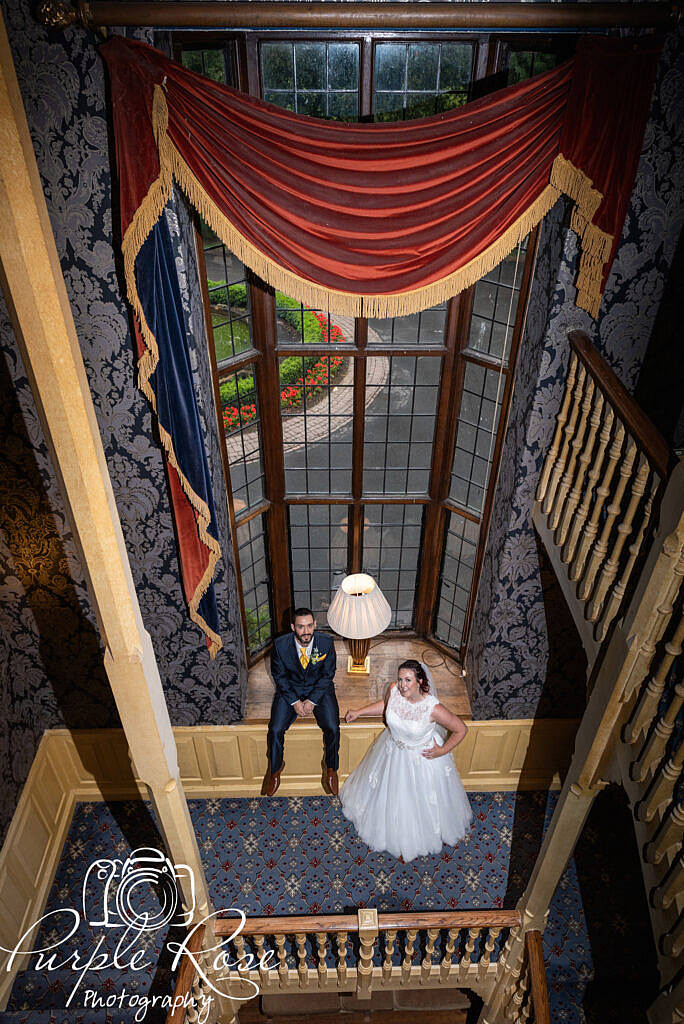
646, 435
350, 922
538, 989
185, 978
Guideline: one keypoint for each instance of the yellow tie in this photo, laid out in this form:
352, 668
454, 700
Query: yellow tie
303, 657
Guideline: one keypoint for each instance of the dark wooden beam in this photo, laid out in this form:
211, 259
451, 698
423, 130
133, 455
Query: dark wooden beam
364, 15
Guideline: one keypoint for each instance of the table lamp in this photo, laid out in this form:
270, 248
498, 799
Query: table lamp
359, 611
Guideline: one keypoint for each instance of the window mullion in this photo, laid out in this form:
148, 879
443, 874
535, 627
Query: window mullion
268, 393
202, 274
442, 453
359, 426
521, 313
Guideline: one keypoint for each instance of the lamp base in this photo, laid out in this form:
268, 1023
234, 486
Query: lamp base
358, 662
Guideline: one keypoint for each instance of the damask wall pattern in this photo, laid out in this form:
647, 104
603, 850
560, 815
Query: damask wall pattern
524, 659
51, 660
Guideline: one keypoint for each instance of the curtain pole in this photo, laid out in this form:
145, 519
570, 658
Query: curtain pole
362, 15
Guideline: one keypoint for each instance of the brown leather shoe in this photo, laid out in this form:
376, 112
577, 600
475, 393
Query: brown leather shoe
332, 781
271, 782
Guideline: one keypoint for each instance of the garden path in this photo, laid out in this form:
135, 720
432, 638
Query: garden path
299, 429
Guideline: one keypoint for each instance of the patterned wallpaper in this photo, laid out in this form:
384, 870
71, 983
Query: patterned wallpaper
525, 659
50, 657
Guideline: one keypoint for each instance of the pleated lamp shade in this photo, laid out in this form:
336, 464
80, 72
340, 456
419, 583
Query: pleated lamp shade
359, 609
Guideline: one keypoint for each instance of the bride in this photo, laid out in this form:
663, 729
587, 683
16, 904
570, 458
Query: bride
406, 796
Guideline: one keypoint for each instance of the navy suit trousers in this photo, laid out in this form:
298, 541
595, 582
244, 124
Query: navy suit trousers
327, 714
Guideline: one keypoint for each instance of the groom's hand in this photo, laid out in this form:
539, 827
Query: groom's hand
299, 708
308, 707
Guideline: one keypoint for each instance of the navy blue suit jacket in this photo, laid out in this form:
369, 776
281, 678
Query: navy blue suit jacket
291, 680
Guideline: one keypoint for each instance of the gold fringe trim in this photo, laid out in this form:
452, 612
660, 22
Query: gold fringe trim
347, 303
596, 243
146, 216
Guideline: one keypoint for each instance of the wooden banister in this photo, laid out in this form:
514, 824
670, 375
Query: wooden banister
647, 437
185, 978
538, 987
349, 922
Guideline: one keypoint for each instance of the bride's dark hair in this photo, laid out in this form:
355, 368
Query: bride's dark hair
419, 673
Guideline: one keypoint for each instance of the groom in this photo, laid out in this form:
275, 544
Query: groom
303, 667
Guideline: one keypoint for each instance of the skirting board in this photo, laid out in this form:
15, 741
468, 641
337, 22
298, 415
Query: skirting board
227, 761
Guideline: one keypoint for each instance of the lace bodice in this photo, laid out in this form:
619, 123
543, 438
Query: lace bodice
409, 723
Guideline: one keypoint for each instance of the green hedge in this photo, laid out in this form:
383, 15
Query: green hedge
289, 310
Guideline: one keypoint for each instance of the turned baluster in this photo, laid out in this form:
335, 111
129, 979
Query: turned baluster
321, 943
591, 529
598, 554
487, 959
669, 833
368, 933
390, 938
661, 789
447, 960
341, 940
191, 1014
302, 969
241, 951
432, 935
616, 595
673, 942
283, 970
544, 490
611, 564
408, 954
580, 518
671, 886
585, 446
655, 745
470, 947
561, 502
264, 973
558, 474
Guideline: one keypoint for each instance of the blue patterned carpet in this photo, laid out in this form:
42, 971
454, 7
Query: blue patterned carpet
301, 855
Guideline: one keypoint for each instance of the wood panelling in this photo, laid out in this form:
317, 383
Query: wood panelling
227, 761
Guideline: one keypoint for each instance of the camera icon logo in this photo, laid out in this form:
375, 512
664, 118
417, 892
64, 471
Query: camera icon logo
141, 891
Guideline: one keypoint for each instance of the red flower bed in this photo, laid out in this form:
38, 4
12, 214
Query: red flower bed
316, 378
234, 417
314, 381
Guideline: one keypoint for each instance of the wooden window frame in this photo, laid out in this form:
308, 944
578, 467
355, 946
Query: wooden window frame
487, 64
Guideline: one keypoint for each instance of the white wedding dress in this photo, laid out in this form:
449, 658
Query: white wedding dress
400, 801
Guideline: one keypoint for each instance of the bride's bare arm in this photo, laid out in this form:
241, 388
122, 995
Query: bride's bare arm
454, 724
374, 710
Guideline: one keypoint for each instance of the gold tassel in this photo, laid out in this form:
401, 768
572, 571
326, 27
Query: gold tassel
596, 243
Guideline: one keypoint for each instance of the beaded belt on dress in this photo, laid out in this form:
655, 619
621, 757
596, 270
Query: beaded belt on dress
409, 746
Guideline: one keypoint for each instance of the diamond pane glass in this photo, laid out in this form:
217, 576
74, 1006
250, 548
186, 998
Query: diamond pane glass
315, 78
457, 575
419, 79
253, 567
243, 438
475, 436
317, 401
318, 554
401, 402
391, 544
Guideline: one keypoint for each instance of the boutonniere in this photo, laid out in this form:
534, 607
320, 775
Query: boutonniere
316, 656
